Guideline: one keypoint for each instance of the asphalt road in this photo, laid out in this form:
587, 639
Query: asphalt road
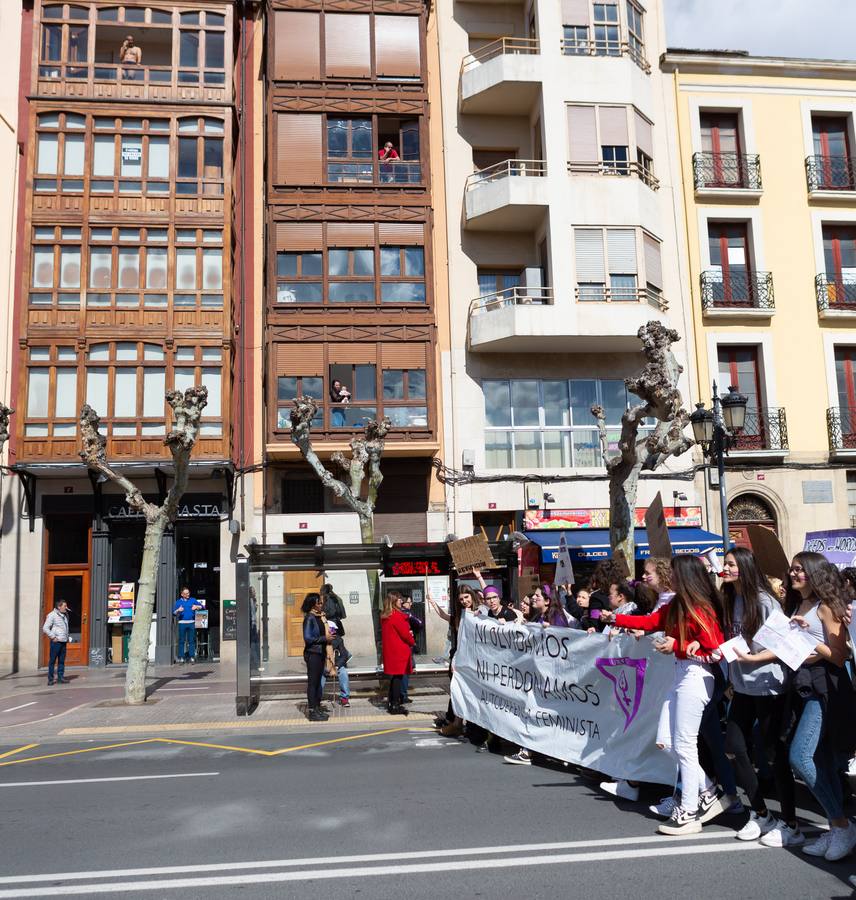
398, 815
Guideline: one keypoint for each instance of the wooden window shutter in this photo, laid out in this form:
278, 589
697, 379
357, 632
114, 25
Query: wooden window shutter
399, 233
403, 356
613, 126
346, 45
575, 12
644, 133
297, 46
582, 134
350, 234
298, 148
588, 243
353, 354
653, 262
621, 246
299, 359
397, 46
299, 236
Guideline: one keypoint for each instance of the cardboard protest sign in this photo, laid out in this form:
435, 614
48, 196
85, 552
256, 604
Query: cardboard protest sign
659, 543
564, 569
527, 581
771, 556
471, 553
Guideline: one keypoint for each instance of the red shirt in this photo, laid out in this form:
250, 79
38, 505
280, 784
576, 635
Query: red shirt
387, 154
708, 633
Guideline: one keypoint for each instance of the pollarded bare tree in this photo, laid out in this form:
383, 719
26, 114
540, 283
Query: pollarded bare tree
366, 453
5, 413
187, 410
657, 388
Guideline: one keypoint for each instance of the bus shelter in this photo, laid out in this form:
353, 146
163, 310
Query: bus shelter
273, 579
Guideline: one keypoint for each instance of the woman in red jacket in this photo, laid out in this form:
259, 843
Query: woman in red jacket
691, 622
397, 641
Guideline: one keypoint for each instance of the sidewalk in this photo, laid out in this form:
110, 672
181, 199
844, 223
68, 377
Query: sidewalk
196, 700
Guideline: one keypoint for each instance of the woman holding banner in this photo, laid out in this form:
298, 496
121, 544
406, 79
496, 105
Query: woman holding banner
820, 694
759, 696
692, 616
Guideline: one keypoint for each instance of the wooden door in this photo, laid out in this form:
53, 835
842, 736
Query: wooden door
839, 253
845, 376
720, 137
738, 366
72, 585
729, 252
832, 145
297, 586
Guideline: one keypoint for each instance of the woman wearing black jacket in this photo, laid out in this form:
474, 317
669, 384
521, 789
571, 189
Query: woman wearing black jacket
315, 641
606, 572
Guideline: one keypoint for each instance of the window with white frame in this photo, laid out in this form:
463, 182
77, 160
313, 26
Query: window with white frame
52, 402
55, 266
537, 424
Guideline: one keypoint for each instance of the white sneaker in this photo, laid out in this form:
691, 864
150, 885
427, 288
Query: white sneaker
842, 843
521, 758
681, 822
665, 807
711, 804
622, 789
851, 766
820, 846
780, 835
756, 827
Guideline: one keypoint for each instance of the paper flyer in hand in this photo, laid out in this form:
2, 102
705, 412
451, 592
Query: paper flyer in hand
736, 643
786, 639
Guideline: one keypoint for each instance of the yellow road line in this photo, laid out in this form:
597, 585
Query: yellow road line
15, 762
19, 750
280, 752
235, 725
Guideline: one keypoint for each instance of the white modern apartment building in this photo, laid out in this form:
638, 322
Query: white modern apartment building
562, 241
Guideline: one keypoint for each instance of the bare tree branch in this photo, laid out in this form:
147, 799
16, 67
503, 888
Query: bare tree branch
5, 413
657, 388
187, 411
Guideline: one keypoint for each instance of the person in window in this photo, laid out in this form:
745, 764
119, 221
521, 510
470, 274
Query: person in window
130, 55
339, 394
388, 156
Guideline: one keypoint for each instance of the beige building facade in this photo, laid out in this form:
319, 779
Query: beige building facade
562, 242
764, 151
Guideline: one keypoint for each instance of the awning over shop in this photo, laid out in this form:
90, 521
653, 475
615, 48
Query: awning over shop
592, 544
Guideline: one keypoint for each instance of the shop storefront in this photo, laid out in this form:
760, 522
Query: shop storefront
93, 558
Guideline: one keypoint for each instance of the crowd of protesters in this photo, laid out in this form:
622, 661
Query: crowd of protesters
751, 724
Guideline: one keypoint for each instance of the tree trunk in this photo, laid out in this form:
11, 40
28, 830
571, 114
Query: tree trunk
138, 647
622, 511
367, 529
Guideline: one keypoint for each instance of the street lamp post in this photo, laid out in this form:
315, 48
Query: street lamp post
715, 431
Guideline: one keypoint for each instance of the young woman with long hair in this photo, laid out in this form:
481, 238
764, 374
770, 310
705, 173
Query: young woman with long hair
316, 639
451, 725
691, 617
820, 694
759, 696
397, 643
657, 575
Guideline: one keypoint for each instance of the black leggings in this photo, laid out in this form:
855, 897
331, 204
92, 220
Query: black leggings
395, 690
314, 671
768, 711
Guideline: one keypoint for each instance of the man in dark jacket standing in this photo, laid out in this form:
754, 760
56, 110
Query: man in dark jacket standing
334, 609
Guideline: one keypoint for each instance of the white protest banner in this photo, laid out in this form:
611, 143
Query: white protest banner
567, 694
785, 638
564, 569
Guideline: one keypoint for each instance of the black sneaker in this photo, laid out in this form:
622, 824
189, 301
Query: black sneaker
398, 711
64, 680
711, 804
681, 822
317, 715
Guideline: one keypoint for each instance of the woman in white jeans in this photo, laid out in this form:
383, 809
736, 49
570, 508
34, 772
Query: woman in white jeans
691, 622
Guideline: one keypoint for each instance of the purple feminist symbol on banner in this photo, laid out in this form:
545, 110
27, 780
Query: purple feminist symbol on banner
628, 678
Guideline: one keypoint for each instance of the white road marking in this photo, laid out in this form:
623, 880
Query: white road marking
7, 784
22, 706
454, 852
467, 865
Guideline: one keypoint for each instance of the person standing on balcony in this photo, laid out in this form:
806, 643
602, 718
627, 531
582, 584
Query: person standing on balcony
339, 394
130, 55
388, 156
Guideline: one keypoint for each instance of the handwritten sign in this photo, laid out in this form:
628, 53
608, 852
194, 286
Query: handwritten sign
471, 553
786, 639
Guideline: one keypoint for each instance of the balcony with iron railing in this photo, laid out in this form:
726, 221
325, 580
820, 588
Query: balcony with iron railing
511, 195
841, 429
619, 168
503, 77
602, 293
831, 176
764, 433
746, 293
836, 295
606, 48
724, 173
